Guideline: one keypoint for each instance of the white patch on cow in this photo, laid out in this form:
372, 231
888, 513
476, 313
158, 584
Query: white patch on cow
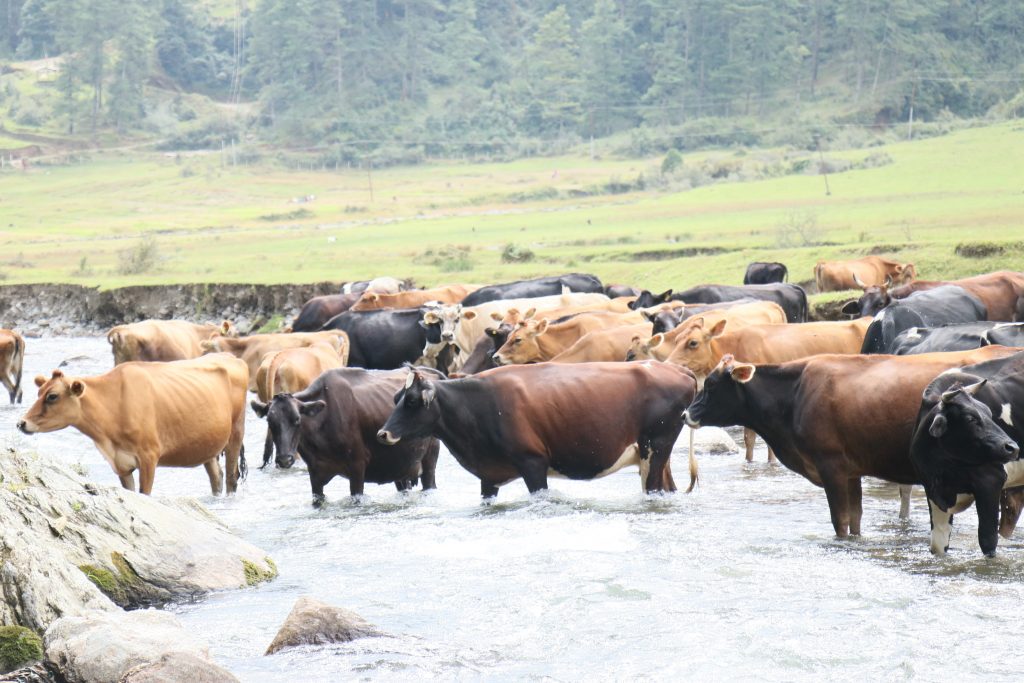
912, 333
950, 371
880, 314
963, 501
1014, 474
942, 529
630, 456
905, 501
1004, 415
645, 470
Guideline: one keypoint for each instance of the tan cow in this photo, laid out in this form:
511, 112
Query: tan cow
536, 341
607, 345
147, 415
253, 348
291, 370
163, 340
660, 345
450, 294
869, 271
12, 357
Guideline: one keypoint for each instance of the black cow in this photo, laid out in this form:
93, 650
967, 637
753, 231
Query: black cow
792, 298
542, 286
384, 339
966, 437
957, 337
615, 291
500, 425
482, 356
928, 308
333, 425
765, 273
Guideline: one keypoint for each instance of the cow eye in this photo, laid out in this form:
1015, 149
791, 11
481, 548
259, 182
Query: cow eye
693, 344
51, 398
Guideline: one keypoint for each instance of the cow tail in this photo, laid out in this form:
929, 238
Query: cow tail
243, 466
785, 273
805, 313
693, 464
817, 277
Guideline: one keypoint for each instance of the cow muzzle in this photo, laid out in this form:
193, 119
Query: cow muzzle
1011, 450
284, 462
387, 438
690, 422
447, 336
26, 428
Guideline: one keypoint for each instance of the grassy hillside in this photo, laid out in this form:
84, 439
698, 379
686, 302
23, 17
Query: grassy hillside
210, 222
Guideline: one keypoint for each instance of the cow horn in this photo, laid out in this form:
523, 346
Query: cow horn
950, 394
888, 281
972, 389
857, 281
409, 379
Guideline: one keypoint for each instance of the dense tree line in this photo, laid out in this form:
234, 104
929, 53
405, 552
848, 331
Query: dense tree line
481, 72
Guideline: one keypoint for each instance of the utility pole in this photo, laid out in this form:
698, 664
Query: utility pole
821, 166
910, 115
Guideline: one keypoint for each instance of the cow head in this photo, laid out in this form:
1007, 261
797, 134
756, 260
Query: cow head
873, 300
521, 345
416, 410
664, 319
59, 404
904, 273
646, 299
285, 415
227, 329
721, 400
964, 429
693, 346
641, 349
442, 323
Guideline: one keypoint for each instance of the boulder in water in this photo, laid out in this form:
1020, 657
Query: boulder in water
312, 622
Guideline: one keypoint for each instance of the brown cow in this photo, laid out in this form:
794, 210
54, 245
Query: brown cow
832, 418
291, 370
144, 415
700, 348
12, 357
536, 341
163, 340
450, 294
608, 345
834, 276
1000, 292
253, 348
318, 310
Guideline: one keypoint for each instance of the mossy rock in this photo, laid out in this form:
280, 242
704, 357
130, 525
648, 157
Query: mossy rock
254, 575
18, 646
124, 587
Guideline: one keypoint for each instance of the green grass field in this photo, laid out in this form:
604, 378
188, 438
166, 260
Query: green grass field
213, 223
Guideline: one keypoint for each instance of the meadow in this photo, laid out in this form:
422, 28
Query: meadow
199, 219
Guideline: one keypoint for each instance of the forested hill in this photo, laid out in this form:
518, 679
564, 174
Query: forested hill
465, 76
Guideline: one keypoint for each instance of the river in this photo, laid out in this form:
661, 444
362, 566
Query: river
740, 580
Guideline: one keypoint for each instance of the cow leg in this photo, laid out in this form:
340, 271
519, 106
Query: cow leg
666, 477
837, 491
855, 505
147, 472
128, 481
268, 449
356, 481
428, 467
534, 472
488, 490
771, 456
215, 474
1012, 503
748, 442
234, 453
317, 482
942, 528
905, 490
986, 501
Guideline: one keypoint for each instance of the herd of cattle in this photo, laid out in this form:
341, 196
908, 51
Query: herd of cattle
564, 376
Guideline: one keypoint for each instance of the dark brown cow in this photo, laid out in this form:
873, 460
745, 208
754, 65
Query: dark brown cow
320, 309
12, 357
142, 416
834, 276
832, 418
579, 421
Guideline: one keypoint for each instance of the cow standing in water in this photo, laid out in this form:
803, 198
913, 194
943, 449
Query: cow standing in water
12, 357
580, 421
144, 415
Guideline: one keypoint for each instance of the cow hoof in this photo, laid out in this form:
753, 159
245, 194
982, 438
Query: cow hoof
318, 501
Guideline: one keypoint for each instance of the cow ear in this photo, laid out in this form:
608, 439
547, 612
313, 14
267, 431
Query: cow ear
78, 387
719, 328
491, 332
260, 409
40, 380
312, 408
530, 313
655, 341
430, 317
468, 315
938, 426
649, 316
207, 346
698, 321
424, 324
888, 282
496, 316
225, 327
743, 372
541, 328
666, 295
850, 308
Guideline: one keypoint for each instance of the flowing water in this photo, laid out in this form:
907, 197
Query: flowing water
741, 580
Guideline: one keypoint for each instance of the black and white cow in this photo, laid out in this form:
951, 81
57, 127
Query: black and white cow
957, 337
929, 308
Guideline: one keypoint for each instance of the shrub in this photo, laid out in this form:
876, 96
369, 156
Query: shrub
448, 259
139, 259
513, 253
672, 162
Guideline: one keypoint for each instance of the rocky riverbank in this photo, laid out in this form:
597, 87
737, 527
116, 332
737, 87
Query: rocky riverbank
74, 554
58, 309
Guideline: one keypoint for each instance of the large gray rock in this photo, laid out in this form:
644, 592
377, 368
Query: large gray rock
62, 536
103, 647
712, 440
174, 667
312, 622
